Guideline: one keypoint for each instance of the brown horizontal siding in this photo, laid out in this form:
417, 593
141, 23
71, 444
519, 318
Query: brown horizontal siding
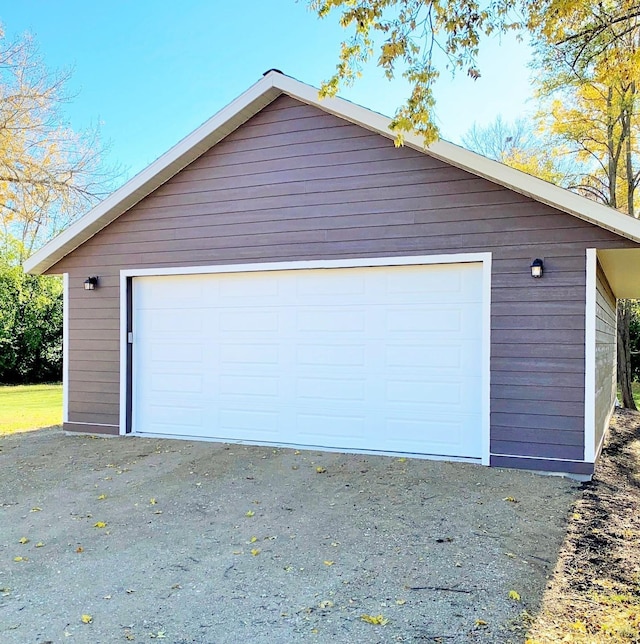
558, 437
294, 184
509, 392
90, 428
606, 357
539, 450
542, 465
77, 415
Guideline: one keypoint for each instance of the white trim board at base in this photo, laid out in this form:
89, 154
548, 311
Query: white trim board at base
484, 259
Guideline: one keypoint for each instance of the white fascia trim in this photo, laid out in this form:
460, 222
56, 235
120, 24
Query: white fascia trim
123, 354
454, 258
65, 347
264, 92
494, 171
590, 358
153, 176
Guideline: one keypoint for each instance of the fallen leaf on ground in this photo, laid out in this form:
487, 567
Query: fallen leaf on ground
39, 544
24, 540
153, 501
255, 552
321, 470
36, 509
510, 499
328, 563
480, 622
19, 559
102, 497
326, 604
249, 513
378, 620
79, 549
401, 602
253, 539
100, 524
514, 595
86, 619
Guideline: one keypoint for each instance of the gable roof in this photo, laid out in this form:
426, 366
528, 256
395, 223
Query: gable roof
258, 96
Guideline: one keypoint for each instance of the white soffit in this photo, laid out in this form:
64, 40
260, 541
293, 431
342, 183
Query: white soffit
622, 268
258, 96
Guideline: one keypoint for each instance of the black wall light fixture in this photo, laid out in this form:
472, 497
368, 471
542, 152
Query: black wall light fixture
91, 283
536, 268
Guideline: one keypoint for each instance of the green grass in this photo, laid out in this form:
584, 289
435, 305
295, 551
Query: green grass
635, 388
27, 407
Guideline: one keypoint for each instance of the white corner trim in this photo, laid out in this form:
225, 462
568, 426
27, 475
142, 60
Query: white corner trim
590, 357
486, 360
65, 347
123, 354
454, 258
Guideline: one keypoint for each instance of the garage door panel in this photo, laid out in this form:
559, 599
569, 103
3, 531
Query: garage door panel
383, 359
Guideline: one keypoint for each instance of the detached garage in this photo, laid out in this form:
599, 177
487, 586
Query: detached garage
286, 276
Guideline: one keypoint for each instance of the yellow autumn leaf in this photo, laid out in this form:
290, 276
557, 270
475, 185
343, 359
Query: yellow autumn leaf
326, 604
328, 562
24, 540
321, 470
510, 499
249, 513
86, 619
102, 497
153, 501
18, 559
378, 620
40, 544
36, 509
579, 626
253, 539
100, 524
401, 602
255, 552
480, 622
514, 595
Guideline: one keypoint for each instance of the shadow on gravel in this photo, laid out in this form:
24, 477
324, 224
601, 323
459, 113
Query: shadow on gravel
595, 593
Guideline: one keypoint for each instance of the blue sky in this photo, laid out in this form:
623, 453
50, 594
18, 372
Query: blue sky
151, 72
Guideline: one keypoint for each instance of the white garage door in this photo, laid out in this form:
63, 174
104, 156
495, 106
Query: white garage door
380, 358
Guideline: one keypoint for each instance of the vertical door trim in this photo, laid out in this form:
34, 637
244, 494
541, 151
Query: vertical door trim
126, 353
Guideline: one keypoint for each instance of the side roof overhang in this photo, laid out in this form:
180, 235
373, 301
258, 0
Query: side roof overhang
619, 266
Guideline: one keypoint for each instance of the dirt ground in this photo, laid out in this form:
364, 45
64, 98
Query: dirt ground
595, 592
188, 542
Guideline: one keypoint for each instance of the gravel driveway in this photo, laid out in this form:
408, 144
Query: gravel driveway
202, 542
